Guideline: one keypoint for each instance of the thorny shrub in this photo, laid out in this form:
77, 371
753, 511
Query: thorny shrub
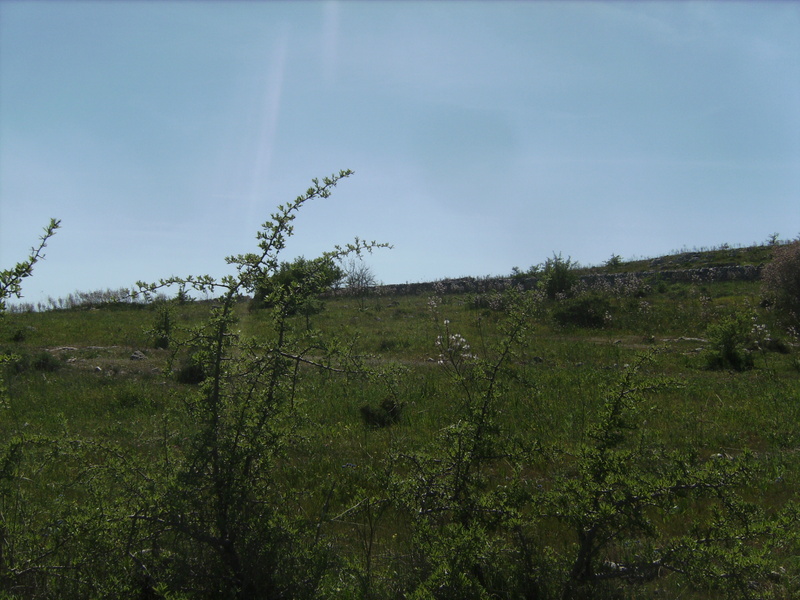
218, 517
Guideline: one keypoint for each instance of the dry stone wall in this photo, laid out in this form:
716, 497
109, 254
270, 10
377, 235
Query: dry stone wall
476, 285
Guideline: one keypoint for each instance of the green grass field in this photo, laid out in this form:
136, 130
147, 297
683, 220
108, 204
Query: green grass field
481, 483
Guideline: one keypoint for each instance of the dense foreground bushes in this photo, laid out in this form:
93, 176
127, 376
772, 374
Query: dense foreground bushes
496, 467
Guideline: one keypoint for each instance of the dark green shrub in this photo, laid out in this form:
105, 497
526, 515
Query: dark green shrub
619, 497
591, 310
462, 540
162, 327
42, 361
778, 345
558, 276
390, 345
728, 343
221, 526
190, 372
614, 262
129, 397
388, 413
19, 335
296, 286
45, 361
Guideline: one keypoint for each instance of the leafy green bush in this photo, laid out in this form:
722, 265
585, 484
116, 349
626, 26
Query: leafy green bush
19, 335
296, 286
40, 360
190, 371
614, 262
218, 525
45, 361
388, 413
729, 343
622, 497
463, 528
558, 276
162, 327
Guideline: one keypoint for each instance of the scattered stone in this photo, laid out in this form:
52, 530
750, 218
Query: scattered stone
98, 370
138, 355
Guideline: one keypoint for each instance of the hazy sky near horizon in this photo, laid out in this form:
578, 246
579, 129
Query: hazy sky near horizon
483, 135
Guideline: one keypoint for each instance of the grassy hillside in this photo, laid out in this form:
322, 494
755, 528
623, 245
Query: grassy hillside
696, 259
631, 441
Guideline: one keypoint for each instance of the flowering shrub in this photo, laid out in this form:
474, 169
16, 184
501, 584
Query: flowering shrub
629, 285
453, 347
492, 300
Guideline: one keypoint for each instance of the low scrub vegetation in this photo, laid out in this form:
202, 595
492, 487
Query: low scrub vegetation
614, 439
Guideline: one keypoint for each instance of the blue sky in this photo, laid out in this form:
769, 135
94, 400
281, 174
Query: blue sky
483, 135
